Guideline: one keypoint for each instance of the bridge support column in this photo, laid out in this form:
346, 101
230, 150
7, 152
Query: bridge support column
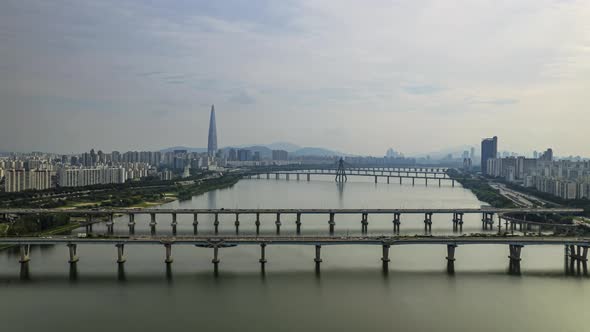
396, 222
216, 223
331, 223
110, 224
577, 254
153, 223
278, 223
287, 176
131, 223
413, 181
318, 258
237, 223
25, 253
298, 223
297, 176
428, 222
89, 222
514, 264
400, 180
375, 178
388, 180
426, 180
308, 177
168, 248
174, 223
215, 259
257, 223
385, 258
364, 223
120, 253
453, 183
195, 223
276, 176
262, 259
72, 248
451, 252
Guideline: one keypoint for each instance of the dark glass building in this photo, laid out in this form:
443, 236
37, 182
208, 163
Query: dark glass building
489, 150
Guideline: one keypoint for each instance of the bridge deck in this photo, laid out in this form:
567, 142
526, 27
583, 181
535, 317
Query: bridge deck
289, 211
303, 240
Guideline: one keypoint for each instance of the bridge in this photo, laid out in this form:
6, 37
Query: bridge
425, 174
487, 214
576, 249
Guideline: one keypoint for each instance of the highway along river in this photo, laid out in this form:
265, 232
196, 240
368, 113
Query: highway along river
351, 293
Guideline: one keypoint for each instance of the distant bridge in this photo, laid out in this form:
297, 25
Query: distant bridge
422, 174
457, 216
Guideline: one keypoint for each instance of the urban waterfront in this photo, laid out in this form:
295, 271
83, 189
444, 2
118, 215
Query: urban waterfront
349, 294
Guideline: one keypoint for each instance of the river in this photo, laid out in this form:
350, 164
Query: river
351, 293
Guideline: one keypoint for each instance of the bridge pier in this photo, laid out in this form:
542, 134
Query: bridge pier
439, 182
153, 223
25, 253
385, 258
487, 221
216, 223
297, 176
168, 247
428, 222
215, 259
318, 258
262, 259
426, 180
195, 223
131, 223
278, 223
110, 224
276, 176
298, 223
237, 223
120, 253
287, 176
400, 180
453, 183
413, 181
258, 176
396, 222
257, 223
89, 223
174, 223
578, 259
375, 178
331, 223
72, 248
515, 258
308, 177
364, 223
451, 252
387, 179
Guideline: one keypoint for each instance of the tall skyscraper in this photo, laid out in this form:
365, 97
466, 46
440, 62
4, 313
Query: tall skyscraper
489, 150
212, 142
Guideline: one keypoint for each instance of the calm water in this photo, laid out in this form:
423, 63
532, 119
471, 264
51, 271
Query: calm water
350, 294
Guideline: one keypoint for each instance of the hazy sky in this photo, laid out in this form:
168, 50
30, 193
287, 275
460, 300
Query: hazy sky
357, 76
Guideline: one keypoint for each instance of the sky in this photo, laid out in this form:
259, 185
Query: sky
354, 76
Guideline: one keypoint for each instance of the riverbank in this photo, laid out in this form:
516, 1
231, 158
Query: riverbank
481, 189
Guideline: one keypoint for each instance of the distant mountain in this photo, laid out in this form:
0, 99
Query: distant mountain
289, 147
265, 150
188, 149
318, 152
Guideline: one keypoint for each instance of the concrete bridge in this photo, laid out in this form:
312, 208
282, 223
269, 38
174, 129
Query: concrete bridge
421, 175
575, 249
487, 214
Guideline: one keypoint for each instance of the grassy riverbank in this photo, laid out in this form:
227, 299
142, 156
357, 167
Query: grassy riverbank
482, 190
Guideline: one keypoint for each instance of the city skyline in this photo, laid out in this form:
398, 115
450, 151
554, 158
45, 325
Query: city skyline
420, 76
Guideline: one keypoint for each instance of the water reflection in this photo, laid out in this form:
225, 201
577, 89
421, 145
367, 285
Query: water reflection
121, 272
25, 273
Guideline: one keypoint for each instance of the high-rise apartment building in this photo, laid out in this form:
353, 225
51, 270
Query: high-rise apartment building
489, 150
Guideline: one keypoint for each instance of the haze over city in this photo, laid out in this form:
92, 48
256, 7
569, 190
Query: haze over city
359, 77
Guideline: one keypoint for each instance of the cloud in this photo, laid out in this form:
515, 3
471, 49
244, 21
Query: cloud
422, 89
242, 98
